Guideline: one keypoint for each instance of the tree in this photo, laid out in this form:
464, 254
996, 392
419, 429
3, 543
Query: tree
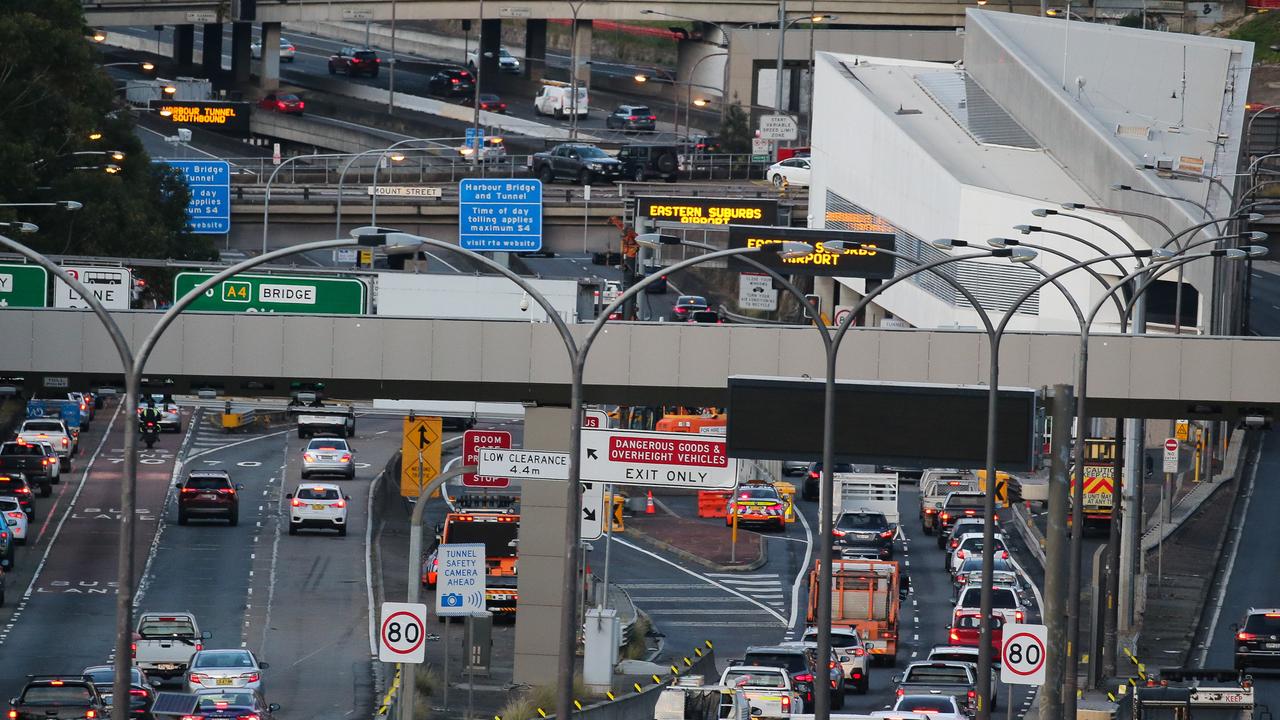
54, 99
735, 129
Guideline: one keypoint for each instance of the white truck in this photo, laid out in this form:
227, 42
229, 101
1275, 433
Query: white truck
870, 492
768, 690
935, 484
163, 642
326, 421
689, 699
52, 431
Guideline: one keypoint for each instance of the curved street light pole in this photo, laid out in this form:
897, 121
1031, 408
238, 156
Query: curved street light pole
342, 174
266, 203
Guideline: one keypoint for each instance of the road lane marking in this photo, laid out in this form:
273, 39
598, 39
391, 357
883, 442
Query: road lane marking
802, 573
144, 579
1231, 560
708, 580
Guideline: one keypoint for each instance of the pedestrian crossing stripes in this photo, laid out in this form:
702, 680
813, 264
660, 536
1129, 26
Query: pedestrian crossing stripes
656, 597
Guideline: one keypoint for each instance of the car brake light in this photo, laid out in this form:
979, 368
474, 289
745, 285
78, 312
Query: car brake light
340, 504
901, 692
1273, 615
13, 714
886, 534
65, 442
1004, 554
196, 678
960, 554
945, 517
56, 682
972, 695
970, 513
1017, 616
812, 474
786, 703
838, 533
1246, 636
859, 652
247, 717
199, 646
133, 650
221, 704
296, 503
280, 104
190, 717
963, 579
453, 80
955, 637
23, 491
805, 677
633, 117
653, 117
138, 693
929, 511
301, 105
346, 457
308, 457
17, 514
954, 544
250, 677
90, 714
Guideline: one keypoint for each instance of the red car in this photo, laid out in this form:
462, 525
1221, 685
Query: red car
490, 102
290, 104
966, 629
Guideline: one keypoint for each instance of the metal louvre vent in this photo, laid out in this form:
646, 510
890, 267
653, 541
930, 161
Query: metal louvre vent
995, 284
974, 110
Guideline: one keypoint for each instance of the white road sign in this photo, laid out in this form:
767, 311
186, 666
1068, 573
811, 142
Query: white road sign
1022, 654
403, 633
113, 286
627, 457
591, 521
1171, 455
532, 464
595, 419
778, 127
460, 579
755, 292
404, 191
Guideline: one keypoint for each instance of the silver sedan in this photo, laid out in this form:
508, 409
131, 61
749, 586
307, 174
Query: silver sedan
328, 456
221, 669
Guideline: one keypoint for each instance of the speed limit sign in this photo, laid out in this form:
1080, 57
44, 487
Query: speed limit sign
1022, 654
403, 633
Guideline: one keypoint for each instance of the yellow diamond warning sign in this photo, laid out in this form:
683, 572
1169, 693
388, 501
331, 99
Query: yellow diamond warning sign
420, 454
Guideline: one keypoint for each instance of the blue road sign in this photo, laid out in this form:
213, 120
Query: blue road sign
209, 212
500, 215
475, 137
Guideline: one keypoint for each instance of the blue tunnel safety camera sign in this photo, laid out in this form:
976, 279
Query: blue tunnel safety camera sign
460, 579
500, 215
209, 212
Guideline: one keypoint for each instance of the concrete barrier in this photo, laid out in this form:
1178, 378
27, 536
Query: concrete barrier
643, 697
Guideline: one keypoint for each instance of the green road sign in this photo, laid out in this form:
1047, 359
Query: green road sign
275, 293
24, 286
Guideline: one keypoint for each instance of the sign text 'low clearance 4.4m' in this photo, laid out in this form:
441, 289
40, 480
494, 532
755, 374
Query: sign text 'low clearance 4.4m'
656, 459
276, 293
530, 464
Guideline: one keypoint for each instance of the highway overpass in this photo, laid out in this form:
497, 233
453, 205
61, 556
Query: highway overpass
632, 363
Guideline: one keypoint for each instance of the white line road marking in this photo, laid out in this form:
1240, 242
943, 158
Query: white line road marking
1231, 561
802, 573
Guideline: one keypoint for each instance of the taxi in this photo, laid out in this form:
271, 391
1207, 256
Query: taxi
757, 503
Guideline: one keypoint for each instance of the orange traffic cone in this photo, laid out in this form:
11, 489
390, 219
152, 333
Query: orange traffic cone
648, 504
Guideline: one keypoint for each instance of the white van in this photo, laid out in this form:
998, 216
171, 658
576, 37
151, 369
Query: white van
554, 99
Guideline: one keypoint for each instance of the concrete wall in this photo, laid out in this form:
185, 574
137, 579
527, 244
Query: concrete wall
511, 361
471, 296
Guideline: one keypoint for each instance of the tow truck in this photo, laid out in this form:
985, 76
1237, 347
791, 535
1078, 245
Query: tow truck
1197, 694
498, 529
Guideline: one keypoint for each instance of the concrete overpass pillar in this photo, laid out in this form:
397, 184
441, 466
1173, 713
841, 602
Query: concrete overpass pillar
211, 55
184, 44
535, 49
241, 36
269, 71
543, 516
490, 43
584, 52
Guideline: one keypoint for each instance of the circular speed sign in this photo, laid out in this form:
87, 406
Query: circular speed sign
402, 633
1022, 655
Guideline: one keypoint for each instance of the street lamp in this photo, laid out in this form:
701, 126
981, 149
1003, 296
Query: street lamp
23, 227
783, 24
146, 66
689, 84
64, 204
576, 7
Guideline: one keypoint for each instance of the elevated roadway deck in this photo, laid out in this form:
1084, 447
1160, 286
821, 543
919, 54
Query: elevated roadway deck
367, 357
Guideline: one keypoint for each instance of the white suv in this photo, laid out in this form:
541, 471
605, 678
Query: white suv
317, 505
854, 659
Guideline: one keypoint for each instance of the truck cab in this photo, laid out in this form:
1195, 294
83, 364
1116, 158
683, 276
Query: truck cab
499, 532
934, 486
164, 642
768, 690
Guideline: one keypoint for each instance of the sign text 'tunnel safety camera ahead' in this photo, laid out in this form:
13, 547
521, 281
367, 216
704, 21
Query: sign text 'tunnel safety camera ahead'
275, 293
863, 262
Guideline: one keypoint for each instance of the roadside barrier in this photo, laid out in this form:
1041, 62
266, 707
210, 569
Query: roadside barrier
713, 503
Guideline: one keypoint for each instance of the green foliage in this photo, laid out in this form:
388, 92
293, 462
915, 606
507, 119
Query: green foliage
637, 646
52, 97
735, 129
1263, 30
1132, 20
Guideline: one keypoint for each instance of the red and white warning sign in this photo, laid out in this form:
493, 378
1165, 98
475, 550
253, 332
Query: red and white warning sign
1022, 654
472, 442
626, 457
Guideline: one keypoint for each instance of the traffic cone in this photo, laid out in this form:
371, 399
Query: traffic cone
648, 504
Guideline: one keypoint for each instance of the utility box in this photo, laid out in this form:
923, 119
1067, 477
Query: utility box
479, 641
603, 635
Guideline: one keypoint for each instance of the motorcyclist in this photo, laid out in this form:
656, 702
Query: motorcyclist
150, 414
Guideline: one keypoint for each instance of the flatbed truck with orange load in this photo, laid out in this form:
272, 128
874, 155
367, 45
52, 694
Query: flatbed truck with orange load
864, 596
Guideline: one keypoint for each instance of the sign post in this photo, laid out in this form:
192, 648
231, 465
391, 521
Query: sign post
1022, 654
1171, 447
472, 441
276, 293
419, 454
625, 457
500, 215
23, 286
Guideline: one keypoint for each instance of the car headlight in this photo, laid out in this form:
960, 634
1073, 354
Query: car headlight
595, 166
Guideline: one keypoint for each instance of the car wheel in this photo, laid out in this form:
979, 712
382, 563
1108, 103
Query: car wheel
46, 490
837, 699
293, 529
305, 474
301, 433
64, 464
670, 178
182, 518
584, 178
546, 176
865, 685
639, 176
776, 180
56, 479
1240, 664
351, 474
332, 71
233, 519
342, 531
941, 541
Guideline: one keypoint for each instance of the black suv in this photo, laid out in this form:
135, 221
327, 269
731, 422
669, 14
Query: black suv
1258, 638
209, 492
354, 61
451, 82
631, 117
863, 534
800, 662
48, 697
572, 161
958, 505
15, 485
641, 162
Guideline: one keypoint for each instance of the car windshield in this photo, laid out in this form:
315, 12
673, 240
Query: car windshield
862, 521
225, 700
1001, 598
288, 98
946, 674
56, 695
965, 501
754, 678
317, 493
791, 662
1263, 624
489, 98
42, 426
223, 659
327, 444
958, 654
970, 622
972, 564
207, 482
691, 300
588, 151
9, 503
639, 110
103, 675
166, 627
20, 449
365, 55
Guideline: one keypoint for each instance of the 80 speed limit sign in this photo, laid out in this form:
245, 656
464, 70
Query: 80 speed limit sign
403, 633
1022, 654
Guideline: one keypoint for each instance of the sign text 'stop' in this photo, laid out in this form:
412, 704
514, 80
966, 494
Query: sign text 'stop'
708, 211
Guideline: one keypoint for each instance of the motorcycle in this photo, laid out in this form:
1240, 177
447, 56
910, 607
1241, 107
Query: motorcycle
150, 433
